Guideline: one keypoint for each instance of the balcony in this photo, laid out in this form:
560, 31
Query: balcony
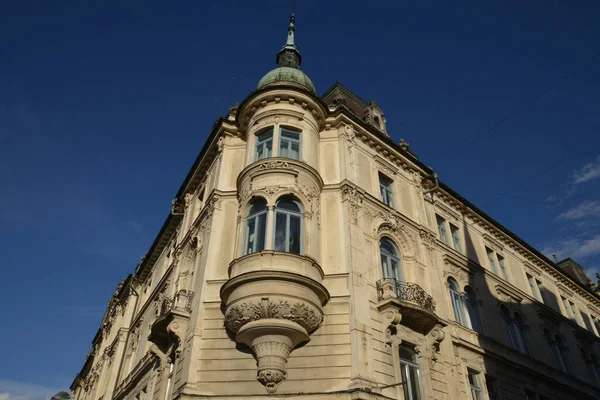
415, 305
272, 302
171, 320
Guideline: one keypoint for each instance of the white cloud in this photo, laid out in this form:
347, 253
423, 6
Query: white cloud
587, 209
576, 248
588, 172
15, 390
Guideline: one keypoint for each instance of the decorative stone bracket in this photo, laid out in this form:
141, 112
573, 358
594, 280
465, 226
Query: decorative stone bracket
272, 310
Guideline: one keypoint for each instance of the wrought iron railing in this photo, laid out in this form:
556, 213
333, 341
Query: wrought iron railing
405, 291
181, 300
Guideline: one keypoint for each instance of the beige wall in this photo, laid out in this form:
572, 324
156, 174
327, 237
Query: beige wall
337, 182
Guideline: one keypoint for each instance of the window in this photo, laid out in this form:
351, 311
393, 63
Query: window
568, 309
256, 224
455, 233
390, 260
508, 323
288, 225
587, 322
143, 393
575, 315
387, 194
558, 351
492, 387
289, 144
597, 325
541, 291
169, 383
264, 145
594, 369
409, 369
521, 334
492, 259
457, 304
441, 223
475, 385
529, 395
534, 288
502, 267
471, 303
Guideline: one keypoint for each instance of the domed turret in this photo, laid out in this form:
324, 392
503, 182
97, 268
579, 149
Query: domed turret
288, 61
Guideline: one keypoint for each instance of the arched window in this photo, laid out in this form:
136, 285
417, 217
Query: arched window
457, 304
471, 302
521, 334
288, 225
256, 224
508, 323
390, 260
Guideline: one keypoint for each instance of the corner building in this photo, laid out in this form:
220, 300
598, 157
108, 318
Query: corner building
308, 255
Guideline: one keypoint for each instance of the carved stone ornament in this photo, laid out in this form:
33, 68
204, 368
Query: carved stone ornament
303, 313
391, 319
355, 199
438, 335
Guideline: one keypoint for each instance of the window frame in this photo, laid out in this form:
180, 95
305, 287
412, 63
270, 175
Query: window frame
457, 302
263, 143
475, 384
386, 265
455, 236
442, 229
386, 191
256, 217
290, 142
405, 367
288, 216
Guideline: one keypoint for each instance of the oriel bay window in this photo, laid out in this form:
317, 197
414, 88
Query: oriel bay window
288, 225
289, 139
284, 222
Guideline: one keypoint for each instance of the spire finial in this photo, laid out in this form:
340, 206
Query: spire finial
289, 56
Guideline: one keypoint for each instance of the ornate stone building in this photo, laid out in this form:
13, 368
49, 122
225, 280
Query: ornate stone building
309, 255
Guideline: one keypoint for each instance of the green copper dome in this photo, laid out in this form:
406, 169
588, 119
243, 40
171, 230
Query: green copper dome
283, 75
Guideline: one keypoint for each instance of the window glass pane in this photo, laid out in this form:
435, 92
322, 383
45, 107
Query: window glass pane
384, 266
280, 231
288, 204
295, 151
283, 148
250, 233
261, 232
456, 238
294, 235
415, 384
269, 146
441, 222
407, 353
290, 134
387, 247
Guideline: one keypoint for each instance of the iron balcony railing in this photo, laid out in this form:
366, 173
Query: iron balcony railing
182, 300
405, 291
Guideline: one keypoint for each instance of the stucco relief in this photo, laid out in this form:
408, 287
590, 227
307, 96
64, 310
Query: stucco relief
301, 312
355, 199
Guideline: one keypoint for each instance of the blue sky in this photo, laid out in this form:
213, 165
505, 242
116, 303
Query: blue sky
105, 105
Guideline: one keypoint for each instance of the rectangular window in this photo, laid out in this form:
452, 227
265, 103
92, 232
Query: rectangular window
143, 393
409, 369
475, 385
567, 307
541, 291
289, 144
492, 259
574, 314
492, 387
532, 286
264, 145
455, 232
587, 322
387, 193
502, 267
441, 223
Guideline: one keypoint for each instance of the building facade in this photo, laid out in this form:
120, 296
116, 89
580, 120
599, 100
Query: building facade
309, 255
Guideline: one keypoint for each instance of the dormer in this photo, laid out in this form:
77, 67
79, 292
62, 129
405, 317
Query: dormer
374, 116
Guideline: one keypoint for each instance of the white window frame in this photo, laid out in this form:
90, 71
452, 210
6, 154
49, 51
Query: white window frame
386, 191
476, 390
290, 142
405, 366
262, 143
